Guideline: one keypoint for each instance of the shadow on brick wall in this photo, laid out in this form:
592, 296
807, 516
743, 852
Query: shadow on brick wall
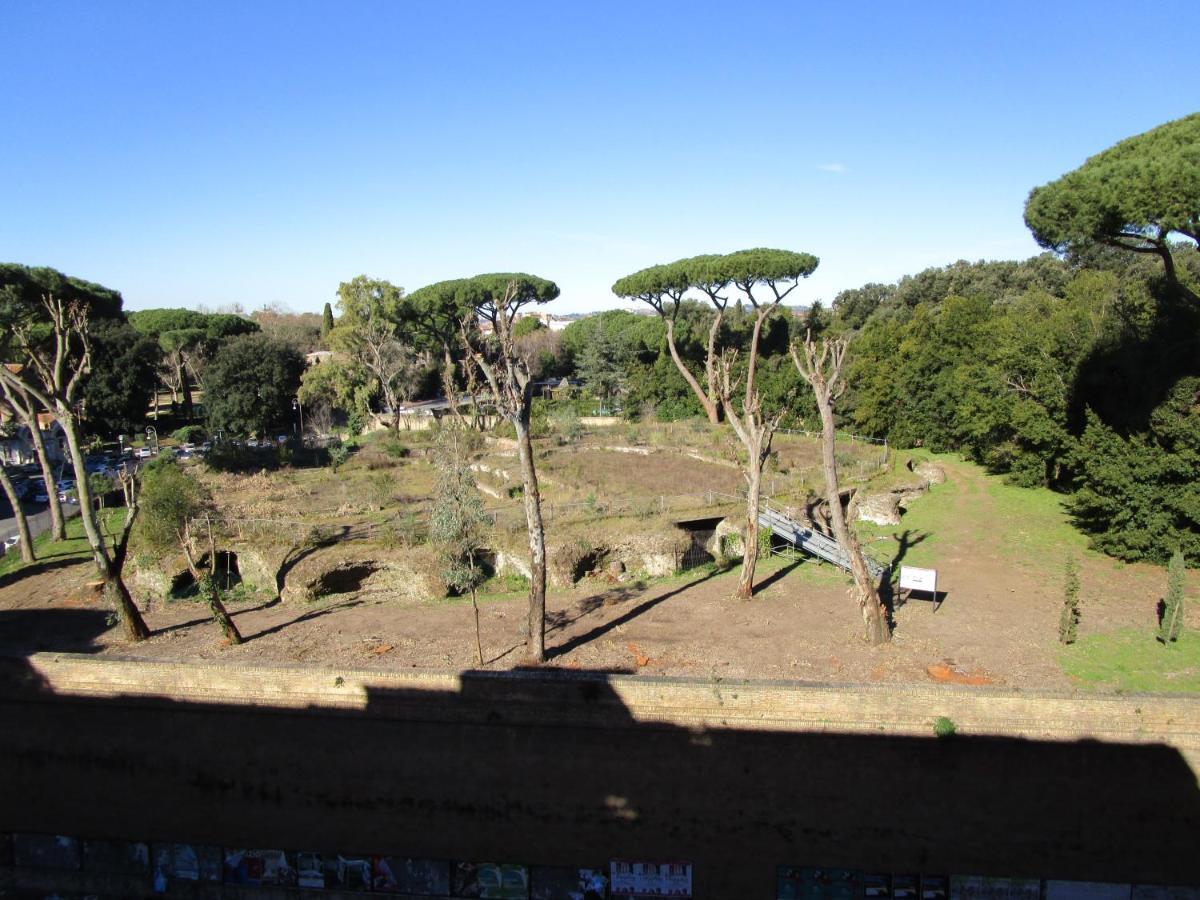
550, 767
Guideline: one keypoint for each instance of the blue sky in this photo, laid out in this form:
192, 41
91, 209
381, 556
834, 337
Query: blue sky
210, 153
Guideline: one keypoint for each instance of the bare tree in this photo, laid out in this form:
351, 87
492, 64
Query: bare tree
10, 491
822, 369
53, 376
318, 421
16, 396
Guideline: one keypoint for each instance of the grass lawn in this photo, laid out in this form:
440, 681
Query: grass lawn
75, 547
1132, 660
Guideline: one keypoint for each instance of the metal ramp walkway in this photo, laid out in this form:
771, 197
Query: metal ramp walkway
812, 541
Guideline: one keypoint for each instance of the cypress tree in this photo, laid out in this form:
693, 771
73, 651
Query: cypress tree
326, 322
1172, 608
1068, 623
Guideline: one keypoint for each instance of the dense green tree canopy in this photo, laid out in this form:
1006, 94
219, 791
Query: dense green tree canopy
250, 384
155, 321
22, 288
117, 390
1135, 195
496, 292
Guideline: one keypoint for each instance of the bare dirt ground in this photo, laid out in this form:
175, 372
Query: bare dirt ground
997, 623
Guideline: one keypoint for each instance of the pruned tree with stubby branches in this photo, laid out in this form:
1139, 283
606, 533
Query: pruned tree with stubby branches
822, 367
177, 515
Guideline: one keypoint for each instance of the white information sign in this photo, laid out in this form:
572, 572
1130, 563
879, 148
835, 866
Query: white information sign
914, 579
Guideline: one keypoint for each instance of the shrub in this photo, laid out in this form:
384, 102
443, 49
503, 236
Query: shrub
944, 727
338, 454
189, 434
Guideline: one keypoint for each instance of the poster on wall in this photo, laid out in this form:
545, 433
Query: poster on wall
550, 883
636, 878
935, 887
187, 862
1165, 892
1087, 890
46, 851
876, 885
812, 883
978, 887
906, 887
504, 880
269, 867
116, 857
422, 877
333, 871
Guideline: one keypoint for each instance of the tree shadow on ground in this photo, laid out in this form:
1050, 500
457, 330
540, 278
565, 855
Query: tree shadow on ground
778, 575
628, 616
38, 567
305, 617
298, 554
207, 619
557, 620
889, 593
24, 631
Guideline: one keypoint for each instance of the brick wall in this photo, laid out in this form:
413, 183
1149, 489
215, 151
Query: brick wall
567, 768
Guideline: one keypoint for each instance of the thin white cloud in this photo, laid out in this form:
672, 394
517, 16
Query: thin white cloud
836, 168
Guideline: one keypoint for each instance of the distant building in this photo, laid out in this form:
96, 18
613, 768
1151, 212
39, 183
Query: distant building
317, 357
16, 446
551, 321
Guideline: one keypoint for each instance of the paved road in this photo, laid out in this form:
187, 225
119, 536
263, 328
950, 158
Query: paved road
38, 515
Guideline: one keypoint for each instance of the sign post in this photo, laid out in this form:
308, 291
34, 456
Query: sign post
914, 579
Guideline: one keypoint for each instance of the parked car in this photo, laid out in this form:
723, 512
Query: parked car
11, 541
144, 453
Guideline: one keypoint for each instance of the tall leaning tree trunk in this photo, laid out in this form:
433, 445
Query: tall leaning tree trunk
711, 407
536, 648
823, 372
745, 588
22, 524
110, 568
448, 387
58, 525
873, 614
755, 431
213, 594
